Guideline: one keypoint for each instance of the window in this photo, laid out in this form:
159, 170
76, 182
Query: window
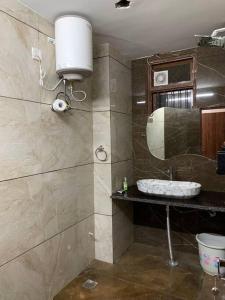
172, 83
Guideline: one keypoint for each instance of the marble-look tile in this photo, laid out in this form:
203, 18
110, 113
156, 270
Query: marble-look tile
123, 230
19, 152
21, 12
108, 178
23, 152
21, 216
121, 136
101, 134
67, 139
100, 50
100, 85
119, 171
30, 275
102, 189
188, 167
19, 74
139, 78
35, 208
75, 253
46, 27
157, 237
103, 238
70, 193
41, 272
114, 53
120, 87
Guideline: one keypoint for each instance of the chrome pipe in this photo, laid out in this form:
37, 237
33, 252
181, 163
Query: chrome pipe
172, 262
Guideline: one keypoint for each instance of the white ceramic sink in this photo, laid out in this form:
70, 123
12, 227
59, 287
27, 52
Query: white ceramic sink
169, 189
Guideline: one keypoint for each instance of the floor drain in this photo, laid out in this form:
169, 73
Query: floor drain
89, 284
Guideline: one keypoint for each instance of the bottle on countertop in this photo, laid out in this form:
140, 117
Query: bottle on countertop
125, 185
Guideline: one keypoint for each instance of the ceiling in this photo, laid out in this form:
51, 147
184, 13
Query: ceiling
148, 27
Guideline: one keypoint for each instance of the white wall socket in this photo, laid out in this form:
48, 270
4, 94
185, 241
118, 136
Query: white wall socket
36, 54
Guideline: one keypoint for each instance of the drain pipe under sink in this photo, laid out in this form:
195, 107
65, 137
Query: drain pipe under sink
172, 262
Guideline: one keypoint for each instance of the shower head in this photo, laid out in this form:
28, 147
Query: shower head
212, 40
208, 41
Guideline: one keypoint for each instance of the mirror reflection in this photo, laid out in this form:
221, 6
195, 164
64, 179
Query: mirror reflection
173, 131
184, 118
177, 131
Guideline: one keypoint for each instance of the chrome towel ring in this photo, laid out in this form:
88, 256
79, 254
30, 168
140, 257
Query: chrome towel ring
101, 149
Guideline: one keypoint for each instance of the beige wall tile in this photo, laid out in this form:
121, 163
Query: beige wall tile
35, 208
43, 271
113, 131
21, 12
120, 87
46, 27
35, 140
76, 251
19, 135
123, 231
19, 74
67, 139
101, 89
119, 171
114, 53
100, 50
70, 193
21, 216
102, 188
121, 136
101, 134
50, 143
103, 238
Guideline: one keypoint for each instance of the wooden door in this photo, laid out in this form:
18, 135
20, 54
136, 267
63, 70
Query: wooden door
213, 131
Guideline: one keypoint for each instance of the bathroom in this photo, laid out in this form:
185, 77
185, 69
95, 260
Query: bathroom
75, 144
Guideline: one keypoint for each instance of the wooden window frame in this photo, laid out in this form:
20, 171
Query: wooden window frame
175, 86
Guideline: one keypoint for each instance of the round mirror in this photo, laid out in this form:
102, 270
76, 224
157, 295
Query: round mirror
174, 131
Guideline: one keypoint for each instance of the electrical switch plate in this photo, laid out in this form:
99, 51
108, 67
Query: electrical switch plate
36, 54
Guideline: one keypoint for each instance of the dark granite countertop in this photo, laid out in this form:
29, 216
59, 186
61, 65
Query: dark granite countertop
213, 201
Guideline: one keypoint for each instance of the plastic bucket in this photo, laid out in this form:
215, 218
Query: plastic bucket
211, 247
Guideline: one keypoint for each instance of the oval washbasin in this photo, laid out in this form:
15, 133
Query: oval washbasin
169, 189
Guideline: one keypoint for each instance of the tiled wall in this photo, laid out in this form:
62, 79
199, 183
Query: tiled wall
210, 77
112, 117
46, 177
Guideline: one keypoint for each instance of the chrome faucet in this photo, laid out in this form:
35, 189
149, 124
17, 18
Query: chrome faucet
171, 172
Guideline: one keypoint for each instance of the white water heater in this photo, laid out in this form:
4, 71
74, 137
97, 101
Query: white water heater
73, 41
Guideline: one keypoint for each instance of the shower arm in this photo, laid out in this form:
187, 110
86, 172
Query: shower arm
217, 31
